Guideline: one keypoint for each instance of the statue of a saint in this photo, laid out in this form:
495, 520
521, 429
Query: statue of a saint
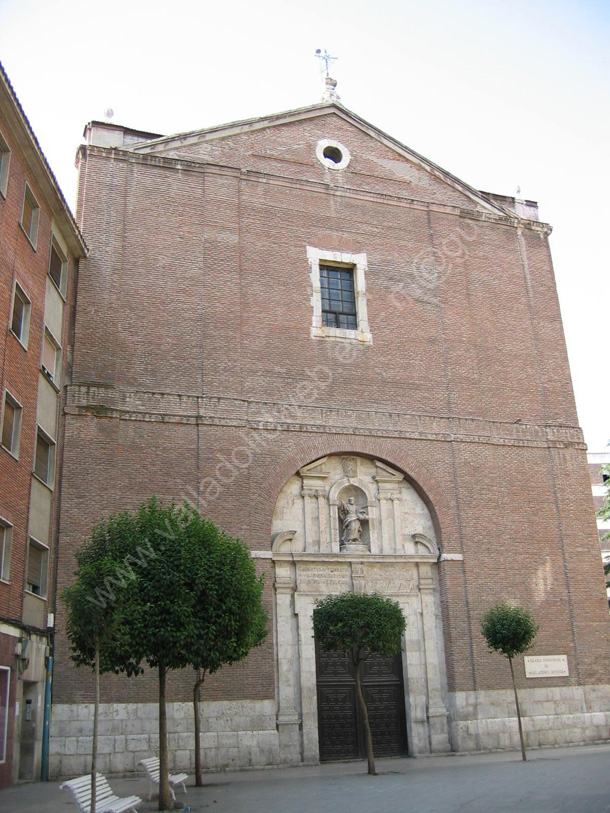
350, 516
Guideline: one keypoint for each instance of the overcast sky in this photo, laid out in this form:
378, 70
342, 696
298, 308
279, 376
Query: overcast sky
502, 94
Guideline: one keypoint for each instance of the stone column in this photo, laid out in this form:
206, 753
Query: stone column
288, 717
323, 519
385, 524
389, 484
312, 541
437, 712
314, 484
397, 514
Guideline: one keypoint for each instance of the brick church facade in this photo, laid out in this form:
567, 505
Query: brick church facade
280, 315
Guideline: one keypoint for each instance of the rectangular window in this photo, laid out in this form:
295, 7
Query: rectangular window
11, 424
29, 215
5, 160
44, 466
338, 299
5, 684
58, 265
20, 320
50, 357
338, 285
6, 544
38, 562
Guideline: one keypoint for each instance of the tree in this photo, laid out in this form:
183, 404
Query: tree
150, 578
97, 631
360, 624
232, 621
510, 631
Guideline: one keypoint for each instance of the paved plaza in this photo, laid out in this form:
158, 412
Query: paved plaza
562, 780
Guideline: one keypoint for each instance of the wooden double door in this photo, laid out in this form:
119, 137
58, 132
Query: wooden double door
340, 725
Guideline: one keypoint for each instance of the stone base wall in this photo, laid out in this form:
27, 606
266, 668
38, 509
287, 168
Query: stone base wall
238, 734
243, 734
567, 715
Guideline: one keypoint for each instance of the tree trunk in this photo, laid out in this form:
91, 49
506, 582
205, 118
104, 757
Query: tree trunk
96, 711
165, 797
365, 716
521, 737
197, 715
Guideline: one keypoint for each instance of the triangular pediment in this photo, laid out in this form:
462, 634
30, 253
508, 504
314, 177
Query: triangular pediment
387, 473
288, 151
317, 467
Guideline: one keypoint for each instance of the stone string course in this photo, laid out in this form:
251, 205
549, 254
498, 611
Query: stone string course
109, 402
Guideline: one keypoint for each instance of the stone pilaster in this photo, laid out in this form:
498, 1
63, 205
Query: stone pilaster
436, 711
288, 717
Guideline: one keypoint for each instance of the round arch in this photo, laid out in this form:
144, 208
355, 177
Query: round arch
297, 455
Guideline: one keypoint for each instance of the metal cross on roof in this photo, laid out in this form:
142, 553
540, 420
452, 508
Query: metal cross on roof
326, 58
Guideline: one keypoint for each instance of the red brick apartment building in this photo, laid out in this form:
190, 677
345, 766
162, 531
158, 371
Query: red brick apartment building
281, 314
598, 462
39, 250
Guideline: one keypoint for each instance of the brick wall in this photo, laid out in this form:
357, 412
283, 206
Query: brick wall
195, 375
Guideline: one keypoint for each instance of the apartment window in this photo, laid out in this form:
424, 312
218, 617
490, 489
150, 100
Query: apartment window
44, 464
339, 296
338, 299
11, 424
29, 215
5, 684
50, 357
5, 160
6, 543
20, 320
58, 266
38, 562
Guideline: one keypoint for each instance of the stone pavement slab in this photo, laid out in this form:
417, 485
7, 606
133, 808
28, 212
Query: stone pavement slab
562, 780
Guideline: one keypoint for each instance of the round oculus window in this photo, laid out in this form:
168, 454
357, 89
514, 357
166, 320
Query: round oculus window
332, 154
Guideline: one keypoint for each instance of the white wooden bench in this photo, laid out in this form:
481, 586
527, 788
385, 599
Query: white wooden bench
105, 800
153, 771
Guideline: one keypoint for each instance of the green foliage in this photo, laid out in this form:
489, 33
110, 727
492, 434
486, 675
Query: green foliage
92, 615
164, 586
356, 623
508, 630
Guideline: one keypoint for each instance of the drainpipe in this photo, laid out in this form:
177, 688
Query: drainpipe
44, 766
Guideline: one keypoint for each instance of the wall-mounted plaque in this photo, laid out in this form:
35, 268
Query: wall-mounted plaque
540, 666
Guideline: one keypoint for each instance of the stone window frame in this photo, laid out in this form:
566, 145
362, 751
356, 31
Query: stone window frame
358, 262
5, 710
6, 547
13, 449
323, 145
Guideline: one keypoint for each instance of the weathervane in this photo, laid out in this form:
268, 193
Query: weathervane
330, 84
326, 58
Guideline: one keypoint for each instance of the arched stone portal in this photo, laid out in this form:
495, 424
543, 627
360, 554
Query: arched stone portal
317, 550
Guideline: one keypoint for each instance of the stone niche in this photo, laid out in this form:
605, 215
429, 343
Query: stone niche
349, 523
